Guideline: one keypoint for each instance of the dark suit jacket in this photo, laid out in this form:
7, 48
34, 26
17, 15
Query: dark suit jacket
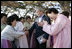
38, 29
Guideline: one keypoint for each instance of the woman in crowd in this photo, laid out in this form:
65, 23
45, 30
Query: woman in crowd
20, 42
27, 24
66, 13
22, 19
3, 21
61, 29
19, 26
9, 33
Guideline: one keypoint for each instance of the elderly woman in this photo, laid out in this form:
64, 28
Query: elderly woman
61, 29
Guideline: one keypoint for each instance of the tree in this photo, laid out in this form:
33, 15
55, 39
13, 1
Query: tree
65, 5
32, 4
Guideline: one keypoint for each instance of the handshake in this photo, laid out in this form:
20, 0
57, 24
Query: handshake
26, 32
42, 23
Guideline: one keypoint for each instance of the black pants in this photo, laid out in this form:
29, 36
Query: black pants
13, 44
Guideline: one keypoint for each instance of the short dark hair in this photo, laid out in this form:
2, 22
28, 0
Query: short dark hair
17, 17
66, 13
28, 17
10, 19
54, 10
21, 18
46, 12
3, 14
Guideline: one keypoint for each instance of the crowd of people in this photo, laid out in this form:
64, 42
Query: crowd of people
41, 33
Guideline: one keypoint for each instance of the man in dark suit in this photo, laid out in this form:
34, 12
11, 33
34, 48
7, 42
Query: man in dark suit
38, 30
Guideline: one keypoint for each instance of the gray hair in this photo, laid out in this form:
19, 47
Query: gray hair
41, 9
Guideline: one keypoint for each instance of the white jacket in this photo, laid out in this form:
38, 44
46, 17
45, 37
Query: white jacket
9, 33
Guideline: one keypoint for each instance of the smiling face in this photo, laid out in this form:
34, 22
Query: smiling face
39, 13
52, 15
